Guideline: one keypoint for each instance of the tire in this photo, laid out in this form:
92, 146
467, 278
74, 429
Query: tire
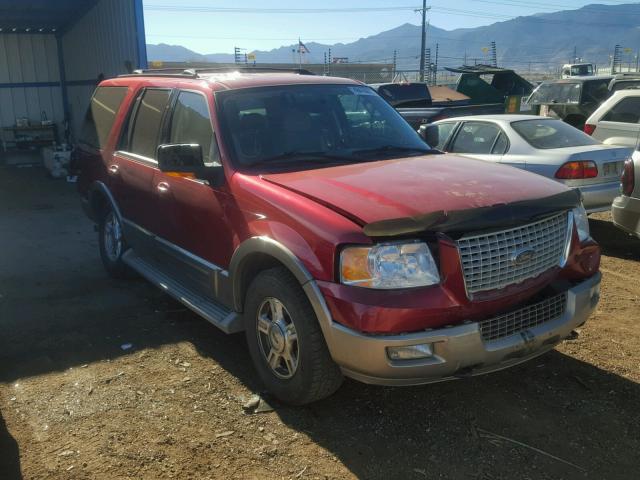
304, 371
112, 245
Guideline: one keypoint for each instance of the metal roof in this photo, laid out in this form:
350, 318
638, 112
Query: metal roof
41, 16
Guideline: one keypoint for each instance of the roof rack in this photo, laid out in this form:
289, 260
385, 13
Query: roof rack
197, 72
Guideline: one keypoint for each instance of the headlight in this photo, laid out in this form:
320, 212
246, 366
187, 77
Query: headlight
582, 223
389, 265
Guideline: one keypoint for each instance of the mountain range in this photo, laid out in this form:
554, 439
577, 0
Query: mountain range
540, 42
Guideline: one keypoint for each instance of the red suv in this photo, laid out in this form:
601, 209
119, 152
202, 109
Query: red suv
306, 212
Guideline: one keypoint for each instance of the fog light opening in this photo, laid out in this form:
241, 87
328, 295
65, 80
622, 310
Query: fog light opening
410, 352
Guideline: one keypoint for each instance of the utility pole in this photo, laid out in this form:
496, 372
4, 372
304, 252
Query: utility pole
575, 55
435, 66
395, 63
423, 44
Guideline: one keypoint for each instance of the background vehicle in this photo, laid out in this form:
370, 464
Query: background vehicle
624, 81
616, 121
572, 100
626, 208
570, 70
304, 211
541, 145
416, 105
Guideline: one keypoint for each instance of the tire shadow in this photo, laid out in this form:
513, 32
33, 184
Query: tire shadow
9, 454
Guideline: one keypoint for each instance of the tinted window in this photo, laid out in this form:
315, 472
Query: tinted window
544, 134
191, 123
406, 95
436, 136
320, 122
148, 120
475, 137
595, 91
101, 114
626, 110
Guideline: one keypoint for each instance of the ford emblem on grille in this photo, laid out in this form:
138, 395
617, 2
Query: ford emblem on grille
523, 256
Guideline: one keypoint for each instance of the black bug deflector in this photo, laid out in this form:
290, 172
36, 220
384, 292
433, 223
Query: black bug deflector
474, 219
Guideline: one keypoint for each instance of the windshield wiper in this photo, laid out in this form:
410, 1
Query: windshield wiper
393, 149
304, 157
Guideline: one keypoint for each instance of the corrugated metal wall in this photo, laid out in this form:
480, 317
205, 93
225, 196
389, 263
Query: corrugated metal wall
103, 41
31, 60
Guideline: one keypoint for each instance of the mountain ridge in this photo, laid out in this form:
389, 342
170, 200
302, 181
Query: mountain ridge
535, 42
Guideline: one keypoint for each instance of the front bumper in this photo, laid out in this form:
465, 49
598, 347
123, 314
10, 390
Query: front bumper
598, 197
458, 351
626, 214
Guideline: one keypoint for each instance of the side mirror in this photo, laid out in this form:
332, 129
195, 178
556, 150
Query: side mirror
180, 157
187, 158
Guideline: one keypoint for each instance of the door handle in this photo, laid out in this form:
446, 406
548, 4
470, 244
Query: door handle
113, 169
162, 187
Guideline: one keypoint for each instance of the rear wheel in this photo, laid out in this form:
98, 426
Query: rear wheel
112, 245
286, 342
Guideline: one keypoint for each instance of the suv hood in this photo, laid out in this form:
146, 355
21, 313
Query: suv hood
416, 186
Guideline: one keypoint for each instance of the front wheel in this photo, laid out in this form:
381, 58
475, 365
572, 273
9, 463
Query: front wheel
286, 342
112, 245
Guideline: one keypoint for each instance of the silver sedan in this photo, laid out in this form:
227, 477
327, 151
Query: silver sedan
541, 145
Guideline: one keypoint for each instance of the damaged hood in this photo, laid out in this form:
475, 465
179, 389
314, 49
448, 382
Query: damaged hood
442, 192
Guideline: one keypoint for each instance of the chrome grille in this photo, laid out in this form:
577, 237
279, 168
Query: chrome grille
527, 317
488, 259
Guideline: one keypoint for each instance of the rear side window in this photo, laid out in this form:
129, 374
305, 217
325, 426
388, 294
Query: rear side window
148, 120
101, 114
436, 136
191, 123
475, 137
545, 134
626, 110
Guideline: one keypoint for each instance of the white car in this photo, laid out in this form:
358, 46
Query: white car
542, 145
615, 122
626, 208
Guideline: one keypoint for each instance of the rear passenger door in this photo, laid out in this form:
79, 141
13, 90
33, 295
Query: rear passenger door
134, 164
481, 140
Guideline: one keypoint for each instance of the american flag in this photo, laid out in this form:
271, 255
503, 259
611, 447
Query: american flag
302, 48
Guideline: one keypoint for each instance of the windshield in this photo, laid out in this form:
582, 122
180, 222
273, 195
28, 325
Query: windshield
549, 93
319, 125
581, 70
546, 134
625, 85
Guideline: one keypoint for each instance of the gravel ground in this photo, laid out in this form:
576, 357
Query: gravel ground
102, 380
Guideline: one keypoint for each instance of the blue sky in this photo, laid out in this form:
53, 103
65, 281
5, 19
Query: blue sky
206, 31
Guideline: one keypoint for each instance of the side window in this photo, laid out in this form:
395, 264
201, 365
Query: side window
626, 110
436, 136
101, 114
501, 145
475, 137
148, 121
191, 123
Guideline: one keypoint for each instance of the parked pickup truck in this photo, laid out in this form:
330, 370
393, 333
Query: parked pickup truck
414, 102
305, 212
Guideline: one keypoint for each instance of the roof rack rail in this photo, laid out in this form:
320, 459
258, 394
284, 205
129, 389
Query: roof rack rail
196, 72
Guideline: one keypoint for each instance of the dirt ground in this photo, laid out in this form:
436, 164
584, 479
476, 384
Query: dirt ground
76, 403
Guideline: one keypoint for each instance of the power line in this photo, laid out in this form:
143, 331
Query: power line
246, 10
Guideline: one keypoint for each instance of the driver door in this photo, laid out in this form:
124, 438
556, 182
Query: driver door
193, 230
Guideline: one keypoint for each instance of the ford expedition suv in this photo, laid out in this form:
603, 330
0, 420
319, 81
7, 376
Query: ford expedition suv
306, 212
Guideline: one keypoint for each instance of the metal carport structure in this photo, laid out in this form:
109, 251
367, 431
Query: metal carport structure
53, 53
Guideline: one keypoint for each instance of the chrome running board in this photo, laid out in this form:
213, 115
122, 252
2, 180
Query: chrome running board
222, 317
